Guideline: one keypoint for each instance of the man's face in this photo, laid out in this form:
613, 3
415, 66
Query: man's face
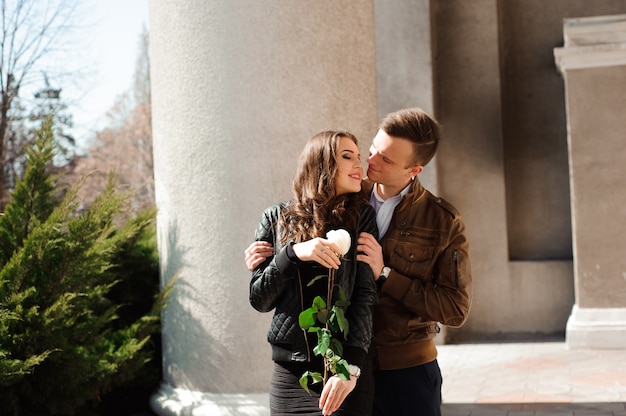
390, 161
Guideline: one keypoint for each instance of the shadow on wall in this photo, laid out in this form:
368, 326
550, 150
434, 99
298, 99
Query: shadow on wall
193, 358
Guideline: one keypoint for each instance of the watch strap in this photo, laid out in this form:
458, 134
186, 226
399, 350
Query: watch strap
382, 278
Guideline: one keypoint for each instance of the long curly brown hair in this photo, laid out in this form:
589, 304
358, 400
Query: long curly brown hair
315, 208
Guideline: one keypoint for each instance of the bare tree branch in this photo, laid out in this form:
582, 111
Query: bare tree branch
31, 31
125, 146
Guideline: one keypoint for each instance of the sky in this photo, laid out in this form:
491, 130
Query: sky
109, 55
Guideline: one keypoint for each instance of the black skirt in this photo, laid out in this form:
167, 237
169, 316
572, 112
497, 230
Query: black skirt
287, 397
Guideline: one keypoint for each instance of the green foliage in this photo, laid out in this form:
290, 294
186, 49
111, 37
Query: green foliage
72, 326
330, 324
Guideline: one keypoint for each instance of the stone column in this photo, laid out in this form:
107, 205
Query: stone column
593, 64
404, 63
238, 86
403, 41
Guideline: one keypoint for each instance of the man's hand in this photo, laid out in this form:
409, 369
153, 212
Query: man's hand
256, 253
370, 252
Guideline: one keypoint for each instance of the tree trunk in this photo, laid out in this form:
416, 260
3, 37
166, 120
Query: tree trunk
4, 122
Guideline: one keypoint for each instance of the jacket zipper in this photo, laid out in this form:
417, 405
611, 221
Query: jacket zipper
456, 268
306, 340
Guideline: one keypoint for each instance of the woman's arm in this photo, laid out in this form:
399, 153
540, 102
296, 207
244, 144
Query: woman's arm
271, 277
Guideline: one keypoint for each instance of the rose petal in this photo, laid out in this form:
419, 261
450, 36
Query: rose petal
341, 238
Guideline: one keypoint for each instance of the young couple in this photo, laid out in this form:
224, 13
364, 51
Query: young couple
407, 270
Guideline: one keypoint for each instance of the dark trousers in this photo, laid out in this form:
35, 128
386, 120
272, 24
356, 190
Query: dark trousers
414, 391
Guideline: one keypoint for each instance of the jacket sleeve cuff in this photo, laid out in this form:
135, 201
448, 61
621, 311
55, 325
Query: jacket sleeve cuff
396, 285
292, 254
355, 356
284, 263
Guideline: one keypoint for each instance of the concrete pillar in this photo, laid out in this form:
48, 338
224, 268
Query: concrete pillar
593, 64
470, 161
238, 86
403, 41
404, 65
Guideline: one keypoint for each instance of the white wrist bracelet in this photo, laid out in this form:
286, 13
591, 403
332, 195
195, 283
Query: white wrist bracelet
354, 370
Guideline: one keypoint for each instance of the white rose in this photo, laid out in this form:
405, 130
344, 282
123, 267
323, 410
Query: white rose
341, 238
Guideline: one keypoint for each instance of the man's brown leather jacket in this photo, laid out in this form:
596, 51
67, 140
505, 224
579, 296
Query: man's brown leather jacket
430, 280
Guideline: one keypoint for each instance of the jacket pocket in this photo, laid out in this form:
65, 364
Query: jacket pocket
413, 261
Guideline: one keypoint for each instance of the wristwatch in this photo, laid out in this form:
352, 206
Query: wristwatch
382, 278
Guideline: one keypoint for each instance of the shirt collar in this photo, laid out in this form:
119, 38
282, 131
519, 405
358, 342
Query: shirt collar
402, 193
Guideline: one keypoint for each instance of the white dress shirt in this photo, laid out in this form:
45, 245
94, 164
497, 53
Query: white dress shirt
384, 208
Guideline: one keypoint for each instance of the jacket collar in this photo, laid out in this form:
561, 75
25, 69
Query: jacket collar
417, 190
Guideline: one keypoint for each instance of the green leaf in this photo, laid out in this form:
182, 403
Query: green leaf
332, 322
336, 346
314, 376
342, 321
341, 367
322, 315
306, 319
315, 279
316, 350
319, 303
304, 381
343, 301
323, 341
342, 293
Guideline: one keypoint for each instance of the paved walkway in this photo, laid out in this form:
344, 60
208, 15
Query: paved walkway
508, 379
532, 379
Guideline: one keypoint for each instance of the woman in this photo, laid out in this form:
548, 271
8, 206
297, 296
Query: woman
326, 196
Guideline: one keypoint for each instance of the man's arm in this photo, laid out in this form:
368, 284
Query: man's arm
446, 296
256, 253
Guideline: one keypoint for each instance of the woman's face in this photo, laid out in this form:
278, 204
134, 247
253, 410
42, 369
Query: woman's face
349, 169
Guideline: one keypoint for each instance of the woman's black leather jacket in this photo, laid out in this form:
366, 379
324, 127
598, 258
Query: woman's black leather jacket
275, 285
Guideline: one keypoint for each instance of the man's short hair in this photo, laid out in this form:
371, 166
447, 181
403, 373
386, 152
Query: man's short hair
417, 126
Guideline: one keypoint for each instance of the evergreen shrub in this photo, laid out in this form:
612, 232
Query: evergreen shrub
80, 303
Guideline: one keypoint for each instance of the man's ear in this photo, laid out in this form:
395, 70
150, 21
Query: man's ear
416, 170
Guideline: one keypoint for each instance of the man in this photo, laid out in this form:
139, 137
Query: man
422, 262
421, 265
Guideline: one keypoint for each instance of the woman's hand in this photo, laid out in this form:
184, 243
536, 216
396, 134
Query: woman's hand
335, 392
318, 250
256, 253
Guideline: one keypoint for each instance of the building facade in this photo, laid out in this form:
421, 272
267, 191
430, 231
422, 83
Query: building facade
530, 95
